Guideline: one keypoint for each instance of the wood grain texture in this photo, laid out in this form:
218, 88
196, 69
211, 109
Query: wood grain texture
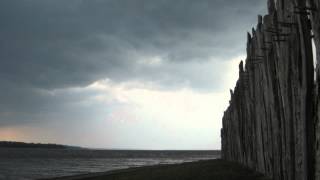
270, 124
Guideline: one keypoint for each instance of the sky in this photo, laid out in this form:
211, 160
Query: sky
120, 74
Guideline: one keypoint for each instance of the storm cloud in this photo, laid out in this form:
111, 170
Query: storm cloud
57, 44
48, 49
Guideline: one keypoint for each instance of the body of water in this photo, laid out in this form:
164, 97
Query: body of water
33, 163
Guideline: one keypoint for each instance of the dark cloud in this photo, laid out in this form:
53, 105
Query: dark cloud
48, 45
25, 105
54, 44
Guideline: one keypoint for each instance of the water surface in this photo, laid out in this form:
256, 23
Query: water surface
35, 163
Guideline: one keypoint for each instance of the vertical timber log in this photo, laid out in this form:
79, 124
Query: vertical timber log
314, 6
270, 124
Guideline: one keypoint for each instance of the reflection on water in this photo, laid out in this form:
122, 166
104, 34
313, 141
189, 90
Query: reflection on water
24, 164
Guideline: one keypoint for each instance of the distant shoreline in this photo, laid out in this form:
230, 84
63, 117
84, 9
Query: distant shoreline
14, 144
199, 170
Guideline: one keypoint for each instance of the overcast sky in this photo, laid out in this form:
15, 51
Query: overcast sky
138, 74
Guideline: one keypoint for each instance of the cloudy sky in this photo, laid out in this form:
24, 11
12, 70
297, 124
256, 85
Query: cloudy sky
137, 74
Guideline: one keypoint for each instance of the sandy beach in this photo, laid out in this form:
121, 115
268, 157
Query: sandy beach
201, 170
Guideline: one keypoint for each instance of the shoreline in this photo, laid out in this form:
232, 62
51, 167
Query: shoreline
203, 169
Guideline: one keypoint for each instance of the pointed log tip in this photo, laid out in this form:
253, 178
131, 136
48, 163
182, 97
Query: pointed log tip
231, 92
248, 37
241, 66
271, 6
260, 19
253, 32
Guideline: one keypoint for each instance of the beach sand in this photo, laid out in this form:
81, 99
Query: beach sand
202, 170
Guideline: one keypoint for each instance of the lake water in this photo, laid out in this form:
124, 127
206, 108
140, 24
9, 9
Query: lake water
33, 163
